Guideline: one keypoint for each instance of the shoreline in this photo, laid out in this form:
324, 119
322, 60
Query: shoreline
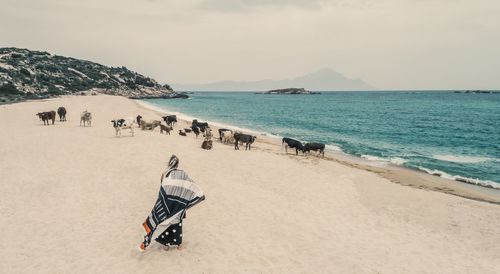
87, 192
398, 174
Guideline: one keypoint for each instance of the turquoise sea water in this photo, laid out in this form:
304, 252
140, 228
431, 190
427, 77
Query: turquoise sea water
456, 135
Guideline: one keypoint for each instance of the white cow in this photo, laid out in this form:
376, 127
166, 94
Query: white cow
86, 118
228, 137
119, 124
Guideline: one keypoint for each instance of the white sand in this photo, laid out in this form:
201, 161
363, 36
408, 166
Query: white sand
73, 199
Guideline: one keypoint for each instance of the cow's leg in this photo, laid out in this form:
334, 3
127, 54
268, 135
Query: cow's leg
286, 148
132, 130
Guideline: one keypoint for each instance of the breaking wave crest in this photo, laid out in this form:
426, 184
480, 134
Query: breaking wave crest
472, 181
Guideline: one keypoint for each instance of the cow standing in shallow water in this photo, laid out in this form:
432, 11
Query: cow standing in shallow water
47, 116
62, 114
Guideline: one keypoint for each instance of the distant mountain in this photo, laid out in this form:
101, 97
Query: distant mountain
38, 74
322, 80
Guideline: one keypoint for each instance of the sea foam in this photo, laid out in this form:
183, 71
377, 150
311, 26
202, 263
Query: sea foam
463, 159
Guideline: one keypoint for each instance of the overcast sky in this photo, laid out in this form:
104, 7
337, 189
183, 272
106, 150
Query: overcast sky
391, 44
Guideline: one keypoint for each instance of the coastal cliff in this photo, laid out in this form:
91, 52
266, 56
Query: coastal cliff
27, 74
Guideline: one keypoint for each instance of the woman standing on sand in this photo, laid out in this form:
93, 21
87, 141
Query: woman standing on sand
177, 193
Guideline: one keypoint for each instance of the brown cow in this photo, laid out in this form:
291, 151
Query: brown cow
207, 144
47, 116
167, 129
151, 125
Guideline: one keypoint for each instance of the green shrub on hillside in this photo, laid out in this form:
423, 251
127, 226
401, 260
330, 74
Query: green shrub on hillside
9, 89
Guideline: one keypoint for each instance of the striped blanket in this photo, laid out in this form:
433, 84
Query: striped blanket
177, 193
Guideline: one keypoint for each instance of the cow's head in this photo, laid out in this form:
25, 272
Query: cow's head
115, 124
253, 138
304, 148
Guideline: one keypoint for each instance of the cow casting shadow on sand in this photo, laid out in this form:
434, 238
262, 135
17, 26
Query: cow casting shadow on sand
47, 116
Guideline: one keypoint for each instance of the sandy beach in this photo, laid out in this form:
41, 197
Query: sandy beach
73, 199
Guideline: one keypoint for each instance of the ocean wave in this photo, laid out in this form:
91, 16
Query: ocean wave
335, 148
463, 159
398, 160
394, 160
472, 181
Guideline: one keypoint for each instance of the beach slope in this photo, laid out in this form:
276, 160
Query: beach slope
72, 200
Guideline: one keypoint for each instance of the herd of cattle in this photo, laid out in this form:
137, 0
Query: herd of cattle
226, 136
47, 116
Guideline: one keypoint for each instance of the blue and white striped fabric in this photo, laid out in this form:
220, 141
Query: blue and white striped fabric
177, 193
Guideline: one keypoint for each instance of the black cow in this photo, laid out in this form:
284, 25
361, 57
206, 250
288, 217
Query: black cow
61, 111
182, 133
201, 125
315, 147
170, 119
138, 119
292, 143
196, 130
221, 131
244, 138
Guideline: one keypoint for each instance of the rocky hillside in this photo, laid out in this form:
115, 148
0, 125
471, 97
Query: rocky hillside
27, 74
